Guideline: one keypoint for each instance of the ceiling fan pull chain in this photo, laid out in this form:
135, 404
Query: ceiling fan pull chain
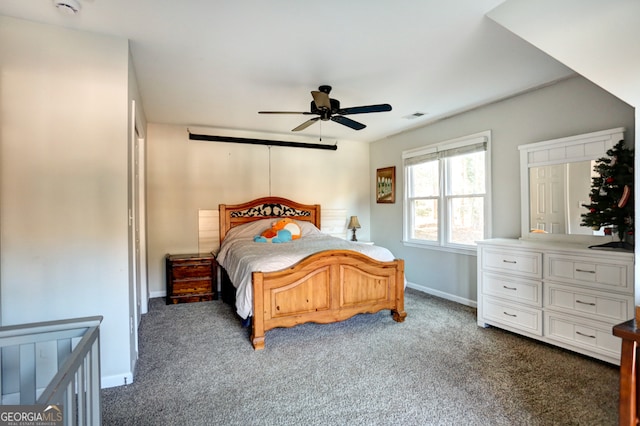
269, 146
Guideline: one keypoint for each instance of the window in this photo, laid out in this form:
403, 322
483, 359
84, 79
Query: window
446, 202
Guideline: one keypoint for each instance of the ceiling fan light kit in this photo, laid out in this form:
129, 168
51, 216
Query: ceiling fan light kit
67, 7
327, 109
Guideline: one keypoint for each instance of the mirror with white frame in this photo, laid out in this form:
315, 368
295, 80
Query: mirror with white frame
555, 183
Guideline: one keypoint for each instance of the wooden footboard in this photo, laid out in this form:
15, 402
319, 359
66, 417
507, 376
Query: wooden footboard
326, 287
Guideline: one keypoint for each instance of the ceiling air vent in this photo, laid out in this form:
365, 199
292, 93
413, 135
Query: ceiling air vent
414, 115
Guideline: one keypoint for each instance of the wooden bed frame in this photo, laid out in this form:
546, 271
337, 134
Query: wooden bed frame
325, 287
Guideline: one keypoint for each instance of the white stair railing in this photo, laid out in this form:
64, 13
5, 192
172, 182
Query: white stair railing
27, 352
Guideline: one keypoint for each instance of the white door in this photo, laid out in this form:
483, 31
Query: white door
548, 210
136, 226
141, 227
138, 291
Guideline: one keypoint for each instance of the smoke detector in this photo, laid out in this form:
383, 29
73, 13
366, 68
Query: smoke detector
67, 7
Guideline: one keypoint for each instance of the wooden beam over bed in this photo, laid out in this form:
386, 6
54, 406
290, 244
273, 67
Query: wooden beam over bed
210, 138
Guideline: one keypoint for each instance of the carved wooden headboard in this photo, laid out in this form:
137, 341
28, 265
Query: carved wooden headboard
266, 208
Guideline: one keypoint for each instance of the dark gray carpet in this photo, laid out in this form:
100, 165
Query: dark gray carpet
197, 367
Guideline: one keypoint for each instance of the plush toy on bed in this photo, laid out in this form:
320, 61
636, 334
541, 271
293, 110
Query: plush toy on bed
281, 231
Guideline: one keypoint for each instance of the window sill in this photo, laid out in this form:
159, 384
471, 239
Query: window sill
470, 251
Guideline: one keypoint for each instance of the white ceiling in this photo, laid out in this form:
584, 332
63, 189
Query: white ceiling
217, 63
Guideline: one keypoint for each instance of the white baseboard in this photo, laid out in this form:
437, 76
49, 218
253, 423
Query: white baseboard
154, 294
117, 380
443, 295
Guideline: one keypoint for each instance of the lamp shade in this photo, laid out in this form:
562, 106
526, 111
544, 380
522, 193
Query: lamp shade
353, 223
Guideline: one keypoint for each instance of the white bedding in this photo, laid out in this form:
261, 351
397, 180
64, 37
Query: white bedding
239, 255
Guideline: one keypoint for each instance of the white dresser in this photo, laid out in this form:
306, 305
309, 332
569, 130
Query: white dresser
564, 294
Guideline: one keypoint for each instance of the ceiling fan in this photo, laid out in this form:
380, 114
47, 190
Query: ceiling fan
329, 109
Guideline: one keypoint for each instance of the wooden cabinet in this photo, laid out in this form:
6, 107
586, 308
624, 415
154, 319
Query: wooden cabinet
563, 294
190, 278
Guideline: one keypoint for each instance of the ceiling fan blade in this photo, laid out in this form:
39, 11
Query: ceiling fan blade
284, 112
305, 124
321, 99
348, 122
365, 109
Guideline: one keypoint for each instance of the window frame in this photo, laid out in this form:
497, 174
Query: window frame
444, 196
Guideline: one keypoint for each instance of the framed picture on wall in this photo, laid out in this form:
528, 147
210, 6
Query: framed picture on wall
386, 185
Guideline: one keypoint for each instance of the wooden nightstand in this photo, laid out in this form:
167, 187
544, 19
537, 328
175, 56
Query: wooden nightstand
191, 277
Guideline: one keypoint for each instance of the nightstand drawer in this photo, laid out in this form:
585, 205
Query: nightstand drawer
202, 286
181, 271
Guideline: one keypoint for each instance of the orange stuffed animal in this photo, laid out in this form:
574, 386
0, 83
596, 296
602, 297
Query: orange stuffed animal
281, 231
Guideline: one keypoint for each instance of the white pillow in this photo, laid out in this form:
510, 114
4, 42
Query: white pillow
248, 230
307, 228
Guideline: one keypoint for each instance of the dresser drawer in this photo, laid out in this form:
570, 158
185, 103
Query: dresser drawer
583, 301
516, 289
591, 335
603, 274
522, 263
519, 317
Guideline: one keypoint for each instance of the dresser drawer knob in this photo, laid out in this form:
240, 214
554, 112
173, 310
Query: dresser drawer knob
509, 288
585, 270
585, 335
509, 261
510, 315
585, 303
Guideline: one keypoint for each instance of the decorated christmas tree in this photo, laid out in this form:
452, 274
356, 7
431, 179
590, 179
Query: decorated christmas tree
611, 196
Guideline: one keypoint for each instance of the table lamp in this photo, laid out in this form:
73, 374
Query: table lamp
353, 225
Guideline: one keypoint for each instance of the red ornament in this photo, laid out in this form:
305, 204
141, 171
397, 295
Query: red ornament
609, 180
592, 210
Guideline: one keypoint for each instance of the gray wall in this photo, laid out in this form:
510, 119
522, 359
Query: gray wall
63, 194
567, 108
